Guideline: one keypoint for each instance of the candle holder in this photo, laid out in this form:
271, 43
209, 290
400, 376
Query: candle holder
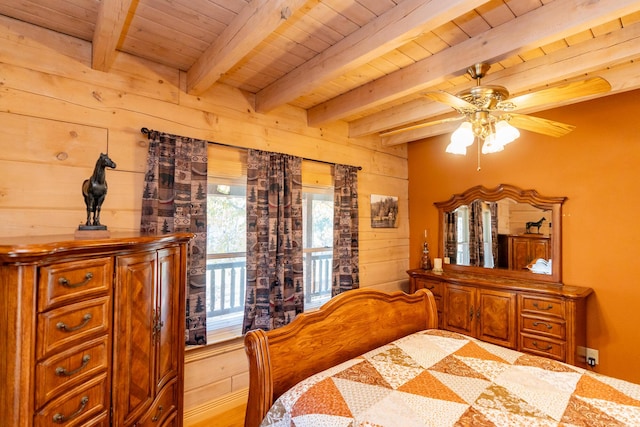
426, 259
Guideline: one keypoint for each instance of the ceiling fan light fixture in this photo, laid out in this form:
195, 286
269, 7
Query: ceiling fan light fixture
492, 144
463, 136
505, 133
454, 148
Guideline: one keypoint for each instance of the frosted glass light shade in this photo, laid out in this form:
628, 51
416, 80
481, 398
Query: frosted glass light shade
463, 136
454, 148
505, 133
491, 144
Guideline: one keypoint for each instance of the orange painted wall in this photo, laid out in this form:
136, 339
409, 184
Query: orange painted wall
597, 167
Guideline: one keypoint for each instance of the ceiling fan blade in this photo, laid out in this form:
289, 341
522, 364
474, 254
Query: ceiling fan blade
563, 92
450, 100
421, 125
539, 125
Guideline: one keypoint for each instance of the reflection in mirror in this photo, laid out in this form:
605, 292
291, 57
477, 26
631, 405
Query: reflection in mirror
511, 231
484, 233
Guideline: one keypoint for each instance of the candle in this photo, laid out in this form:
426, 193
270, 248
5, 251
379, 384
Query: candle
425, 233
437, 264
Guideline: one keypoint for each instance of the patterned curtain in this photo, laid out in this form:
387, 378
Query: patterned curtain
174, 199
451, 242
345, 230
476, 241
274, 294
493, 209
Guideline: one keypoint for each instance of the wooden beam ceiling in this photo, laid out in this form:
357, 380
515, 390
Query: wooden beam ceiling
112, 16
401, 24
554, 20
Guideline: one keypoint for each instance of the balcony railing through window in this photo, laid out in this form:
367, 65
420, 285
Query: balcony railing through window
226, 281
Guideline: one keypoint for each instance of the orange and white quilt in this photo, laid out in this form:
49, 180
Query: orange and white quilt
439, 378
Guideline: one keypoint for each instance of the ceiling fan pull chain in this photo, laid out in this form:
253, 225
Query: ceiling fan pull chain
478, 146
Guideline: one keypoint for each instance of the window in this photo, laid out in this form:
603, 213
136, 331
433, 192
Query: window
317, 220
462, 255
226, 239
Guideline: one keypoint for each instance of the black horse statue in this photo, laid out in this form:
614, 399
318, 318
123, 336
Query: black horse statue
536, 224
94, 191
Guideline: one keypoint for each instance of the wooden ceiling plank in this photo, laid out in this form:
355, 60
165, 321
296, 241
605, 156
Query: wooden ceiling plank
112, 16
599, 52
555, 20
394, 28
251, 26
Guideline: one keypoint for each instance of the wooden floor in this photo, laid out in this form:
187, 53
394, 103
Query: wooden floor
232, 418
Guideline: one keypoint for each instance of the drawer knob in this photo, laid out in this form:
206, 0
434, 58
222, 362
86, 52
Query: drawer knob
539, 347
548, 307
65, 282
62, 372
61, 419
548, 325
63, 327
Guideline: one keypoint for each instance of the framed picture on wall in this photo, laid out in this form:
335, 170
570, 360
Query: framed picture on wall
384, 211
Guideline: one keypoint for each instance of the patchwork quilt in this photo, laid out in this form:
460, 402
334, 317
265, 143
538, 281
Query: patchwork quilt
439, 378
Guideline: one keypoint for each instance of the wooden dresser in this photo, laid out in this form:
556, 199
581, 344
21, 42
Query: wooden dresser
534, 317
92, 331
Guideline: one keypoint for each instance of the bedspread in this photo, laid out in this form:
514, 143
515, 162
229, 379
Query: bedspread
439, 378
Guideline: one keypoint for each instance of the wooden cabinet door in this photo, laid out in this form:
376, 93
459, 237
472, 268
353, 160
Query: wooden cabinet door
519, 253
167, 330
539, 249
496, 316
134, 381
459, 310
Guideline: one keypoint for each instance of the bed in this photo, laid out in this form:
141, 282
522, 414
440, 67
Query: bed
370, 358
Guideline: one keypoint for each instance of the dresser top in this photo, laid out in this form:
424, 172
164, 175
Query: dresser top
34, 248
506, 283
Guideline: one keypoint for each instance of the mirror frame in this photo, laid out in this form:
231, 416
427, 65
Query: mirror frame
502, 191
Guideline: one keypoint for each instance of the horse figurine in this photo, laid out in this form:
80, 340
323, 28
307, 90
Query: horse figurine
536, 224
94, 191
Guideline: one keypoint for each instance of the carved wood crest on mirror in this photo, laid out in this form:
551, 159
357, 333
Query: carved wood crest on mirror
504, 232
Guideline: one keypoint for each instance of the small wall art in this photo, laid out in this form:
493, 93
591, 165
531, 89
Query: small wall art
384, 211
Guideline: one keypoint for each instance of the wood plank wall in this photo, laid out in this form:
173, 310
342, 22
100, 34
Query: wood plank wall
57, 115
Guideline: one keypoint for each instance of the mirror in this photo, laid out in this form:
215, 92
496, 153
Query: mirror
504, 231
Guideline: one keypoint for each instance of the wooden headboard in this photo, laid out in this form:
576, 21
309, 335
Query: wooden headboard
347, 326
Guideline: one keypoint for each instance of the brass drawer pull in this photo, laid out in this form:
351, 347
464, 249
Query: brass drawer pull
549, 346
549, 307
85, 319
65, 282
471, 313
156, 417
62, 372
61, 419
548, 325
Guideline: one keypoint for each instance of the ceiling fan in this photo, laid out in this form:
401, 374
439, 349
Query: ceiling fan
488, 107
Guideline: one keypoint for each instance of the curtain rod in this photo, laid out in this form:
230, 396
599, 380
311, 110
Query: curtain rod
148, 131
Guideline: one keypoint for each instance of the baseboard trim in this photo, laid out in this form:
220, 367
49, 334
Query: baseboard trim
215, 407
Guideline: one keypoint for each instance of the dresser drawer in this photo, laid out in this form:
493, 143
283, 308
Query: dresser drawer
554, 328
433, 286
85, 405
543, 346
542, 305
65, 282
70, 325
70, 368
